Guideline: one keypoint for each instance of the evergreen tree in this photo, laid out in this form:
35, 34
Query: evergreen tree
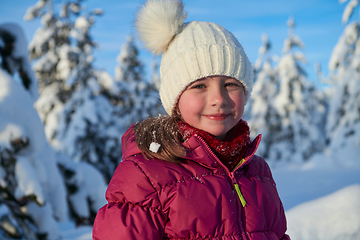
84, 110
79, 118
142, 97
343, 127
264, 117
297, 105
130, 68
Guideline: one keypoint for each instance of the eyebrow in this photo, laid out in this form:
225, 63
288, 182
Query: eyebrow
197, 81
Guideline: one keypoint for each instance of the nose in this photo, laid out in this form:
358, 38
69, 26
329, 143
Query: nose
218, 97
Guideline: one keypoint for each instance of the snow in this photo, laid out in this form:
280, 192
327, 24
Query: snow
41, 36
10, 131
13, 97
44, 219
28, 183
91, 187
20, 54
31, 10
344, 46
35, 170
71, 232
82, 23
335, 216
154, 147
285, 108
349, 9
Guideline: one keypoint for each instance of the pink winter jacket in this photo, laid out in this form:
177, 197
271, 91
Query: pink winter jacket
198, 198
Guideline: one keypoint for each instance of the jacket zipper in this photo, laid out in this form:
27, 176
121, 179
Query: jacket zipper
236, 186
232, 177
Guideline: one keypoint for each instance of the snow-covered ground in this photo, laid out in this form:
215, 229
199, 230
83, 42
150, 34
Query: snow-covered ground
320, 203
335, 216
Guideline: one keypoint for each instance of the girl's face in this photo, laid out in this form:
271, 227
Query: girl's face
214, 104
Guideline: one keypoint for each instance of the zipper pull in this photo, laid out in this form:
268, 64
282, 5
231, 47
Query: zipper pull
239, 163
241, 197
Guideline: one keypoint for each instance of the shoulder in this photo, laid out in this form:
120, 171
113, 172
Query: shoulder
140, 176
136, 178
256, 165
163, 174
129, 182
259, 167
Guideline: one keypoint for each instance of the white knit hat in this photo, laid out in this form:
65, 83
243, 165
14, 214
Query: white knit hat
191, 51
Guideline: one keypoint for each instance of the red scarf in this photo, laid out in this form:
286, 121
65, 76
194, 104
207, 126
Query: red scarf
229, 150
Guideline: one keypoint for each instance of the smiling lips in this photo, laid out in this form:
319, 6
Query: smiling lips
217, 117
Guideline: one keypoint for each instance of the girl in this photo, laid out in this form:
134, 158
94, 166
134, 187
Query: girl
193, 174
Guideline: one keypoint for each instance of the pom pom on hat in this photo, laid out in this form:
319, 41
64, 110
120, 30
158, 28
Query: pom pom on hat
157, 23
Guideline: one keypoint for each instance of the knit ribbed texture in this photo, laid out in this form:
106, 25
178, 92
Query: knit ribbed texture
199, 50
229, 150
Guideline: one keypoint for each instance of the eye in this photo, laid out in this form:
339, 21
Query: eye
198, 86
232, 84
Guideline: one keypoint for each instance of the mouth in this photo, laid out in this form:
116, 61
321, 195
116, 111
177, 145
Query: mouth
218, 117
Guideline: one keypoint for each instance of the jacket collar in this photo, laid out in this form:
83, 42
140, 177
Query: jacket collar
202, 154
200, 151
128, 144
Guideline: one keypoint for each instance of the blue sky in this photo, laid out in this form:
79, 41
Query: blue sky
318, 24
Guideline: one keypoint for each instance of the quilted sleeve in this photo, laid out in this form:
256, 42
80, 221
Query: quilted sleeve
265, 210
279, 226
133, 210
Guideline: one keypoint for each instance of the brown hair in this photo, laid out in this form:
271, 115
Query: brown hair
164, 131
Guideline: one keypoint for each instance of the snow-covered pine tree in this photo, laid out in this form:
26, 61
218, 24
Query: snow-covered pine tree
79, 119
264, 118
299, 108
130, 68
343, 126
140, 97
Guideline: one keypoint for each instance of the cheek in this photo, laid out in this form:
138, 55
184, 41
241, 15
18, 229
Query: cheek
182, 104
239, 101
189, 105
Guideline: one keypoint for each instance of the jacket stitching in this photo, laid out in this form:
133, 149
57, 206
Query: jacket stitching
143, 173
263, 231
169, 184
139, 205
216, 237
258, 176
156, 191
189, 178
